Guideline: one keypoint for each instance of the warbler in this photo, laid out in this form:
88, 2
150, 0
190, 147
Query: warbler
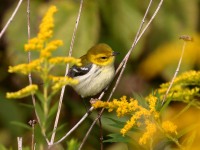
96, 72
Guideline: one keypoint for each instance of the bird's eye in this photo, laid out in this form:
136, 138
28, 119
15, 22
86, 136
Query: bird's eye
103, 57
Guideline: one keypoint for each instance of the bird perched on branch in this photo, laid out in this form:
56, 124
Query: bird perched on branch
96, 72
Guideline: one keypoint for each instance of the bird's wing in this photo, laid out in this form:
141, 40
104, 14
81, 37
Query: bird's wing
79, 71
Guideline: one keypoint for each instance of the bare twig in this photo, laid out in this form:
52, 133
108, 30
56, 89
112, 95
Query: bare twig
29, 60
19, 143
11, 18
185, 38
32, 124
88, 132
125, 60
76, 126
101, 133
67, 68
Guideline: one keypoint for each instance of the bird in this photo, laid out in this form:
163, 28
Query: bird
96, 72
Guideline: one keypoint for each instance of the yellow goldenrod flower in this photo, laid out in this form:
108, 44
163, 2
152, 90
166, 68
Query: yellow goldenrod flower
45, 29
59, 82
26, 68
148, 134
34, 44
185, 88
30, 89
169, 127
51, 46
147, 118
152, 102
130, 123
64, 60
99, 104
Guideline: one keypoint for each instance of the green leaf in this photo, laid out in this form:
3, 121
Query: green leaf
165, 105
7, 115
141, 100
51, 115
73, 144
117, 123
40, 96
39, 112
27, 105
116, 137
120, 124
20, 124
53, 110
59, 128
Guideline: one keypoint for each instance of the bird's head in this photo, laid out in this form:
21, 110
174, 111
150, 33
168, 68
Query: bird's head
101, 55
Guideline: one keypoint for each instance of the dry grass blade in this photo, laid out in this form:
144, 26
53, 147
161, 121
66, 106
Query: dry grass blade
67, 68
185, 38
11, 18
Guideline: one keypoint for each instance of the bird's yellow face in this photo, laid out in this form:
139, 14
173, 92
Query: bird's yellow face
101, 54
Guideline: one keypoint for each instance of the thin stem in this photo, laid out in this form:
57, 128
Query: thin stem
101, 133
176, 73
19, 143
30, 75
87, 134
11, 18
66, 72
32, 141
75, 127
32, 124
45, 101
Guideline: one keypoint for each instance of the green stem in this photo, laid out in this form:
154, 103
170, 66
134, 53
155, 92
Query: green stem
45, 92
45, 101
175, 141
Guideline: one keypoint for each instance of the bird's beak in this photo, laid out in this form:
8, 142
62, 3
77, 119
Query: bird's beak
115, 53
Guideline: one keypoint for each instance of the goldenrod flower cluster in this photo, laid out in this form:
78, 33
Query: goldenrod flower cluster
140, 116
45, 31
64, 60
185, 88
169, 127
45, 46
61, 81
149, 132
26, 68
30, 89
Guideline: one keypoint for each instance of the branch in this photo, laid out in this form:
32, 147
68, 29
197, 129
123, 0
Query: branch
19, 143
29, 75
185, 38
67, 68
75, 127
11, 18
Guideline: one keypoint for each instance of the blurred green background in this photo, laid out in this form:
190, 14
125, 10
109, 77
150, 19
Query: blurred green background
114, 22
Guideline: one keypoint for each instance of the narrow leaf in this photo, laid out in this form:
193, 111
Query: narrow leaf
115, 137
23, 125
